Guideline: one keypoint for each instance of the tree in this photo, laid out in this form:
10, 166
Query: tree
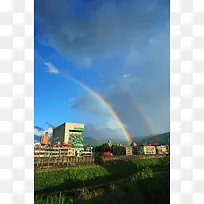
98, 149
118, 150
106, 147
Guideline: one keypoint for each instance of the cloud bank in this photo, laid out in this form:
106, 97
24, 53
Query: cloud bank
134, 32
83, 30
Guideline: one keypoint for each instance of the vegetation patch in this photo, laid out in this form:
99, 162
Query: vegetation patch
149, 188
66, 179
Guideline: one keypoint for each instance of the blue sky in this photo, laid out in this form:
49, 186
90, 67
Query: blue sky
117, 48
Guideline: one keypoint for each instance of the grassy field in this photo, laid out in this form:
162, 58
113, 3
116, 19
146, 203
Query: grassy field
143, 177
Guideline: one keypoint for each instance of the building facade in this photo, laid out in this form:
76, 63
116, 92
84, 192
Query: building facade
129, 150
51, 151
161, 149
69, 133
109, 143
146, 149
134, 150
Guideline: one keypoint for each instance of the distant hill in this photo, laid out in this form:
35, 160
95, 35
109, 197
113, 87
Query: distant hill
90, 141
163, 138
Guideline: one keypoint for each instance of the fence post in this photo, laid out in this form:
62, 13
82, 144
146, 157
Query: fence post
42, 162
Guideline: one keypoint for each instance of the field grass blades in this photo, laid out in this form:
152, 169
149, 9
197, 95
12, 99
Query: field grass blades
98, 184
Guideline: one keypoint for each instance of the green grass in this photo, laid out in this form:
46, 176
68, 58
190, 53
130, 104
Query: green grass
65, 179
144, 187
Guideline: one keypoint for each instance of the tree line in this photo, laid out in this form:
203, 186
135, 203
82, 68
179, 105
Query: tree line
114, 149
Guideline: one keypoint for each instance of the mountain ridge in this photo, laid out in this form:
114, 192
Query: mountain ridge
163, 138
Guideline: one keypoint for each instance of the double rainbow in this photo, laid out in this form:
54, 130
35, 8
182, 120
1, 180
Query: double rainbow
105, 103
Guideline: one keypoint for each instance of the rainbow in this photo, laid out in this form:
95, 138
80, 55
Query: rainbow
105, 103
143, 115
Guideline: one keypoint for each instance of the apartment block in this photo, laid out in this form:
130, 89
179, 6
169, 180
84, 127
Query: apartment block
69, 133
161, 149
51, 151
128, 150
146, 149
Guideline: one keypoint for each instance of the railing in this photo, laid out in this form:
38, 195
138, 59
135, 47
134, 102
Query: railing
57, 162
60, 162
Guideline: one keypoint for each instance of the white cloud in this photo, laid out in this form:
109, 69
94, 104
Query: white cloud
132, 58
51, 68
126, 75
104, 31
117, 30
49, 130
87, 62
155, 53
85, 102
82, 62
112, 86
38, 132
113, 124
71, 99
70, 102
133, 80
